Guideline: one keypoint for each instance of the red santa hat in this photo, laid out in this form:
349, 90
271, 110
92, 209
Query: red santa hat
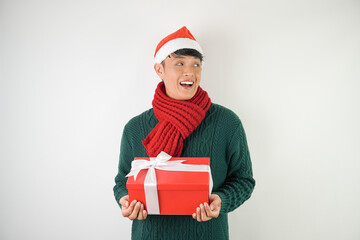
180, 39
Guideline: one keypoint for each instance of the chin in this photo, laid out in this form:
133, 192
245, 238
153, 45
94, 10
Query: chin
184, 95
188, 97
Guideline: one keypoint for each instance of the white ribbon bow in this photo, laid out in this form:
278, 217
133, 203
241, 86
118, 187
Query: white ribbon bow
162, 162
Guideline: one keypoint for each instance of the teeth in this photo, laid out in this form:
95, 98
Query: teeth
186, 83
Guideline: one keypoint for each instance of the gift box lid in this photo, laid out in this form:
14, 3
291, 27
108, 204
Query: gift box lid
175, 180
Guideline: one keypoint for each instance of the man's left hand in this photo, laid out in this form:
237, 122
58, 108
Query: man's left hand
205, 212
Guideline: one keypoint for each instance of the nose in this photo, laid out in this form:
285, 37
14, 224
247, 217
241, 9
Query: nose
188, 71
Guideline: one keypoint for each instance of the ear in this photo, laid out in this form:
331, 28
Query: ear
159, 69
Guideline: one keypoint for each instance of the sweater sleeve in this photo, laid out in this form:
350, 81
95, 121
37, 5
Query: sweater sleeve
239, 182
124, 166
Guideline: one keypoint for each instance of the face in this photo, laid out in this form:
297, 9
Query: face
181, 76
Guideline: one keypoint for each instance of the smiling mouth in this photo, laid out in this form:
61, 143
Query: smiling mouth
186, 83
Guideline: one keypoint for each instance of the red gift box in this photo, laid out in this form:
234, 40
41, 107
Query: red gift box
179, 192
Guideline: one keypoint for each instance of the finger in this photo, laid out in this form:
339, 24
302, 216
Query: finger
135, 212
194, 216
140, 215
145, 214
198, 216
203, 214
208, 211
127, 211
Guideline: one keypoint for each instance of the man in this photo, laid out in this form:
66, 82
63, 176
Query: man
184, 122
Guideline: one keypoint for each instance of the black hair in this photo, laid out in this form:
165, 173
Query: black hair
187, 52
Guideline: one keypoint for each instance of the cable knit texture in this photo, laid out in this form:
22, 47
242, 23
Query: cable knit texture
219, 136
177, 120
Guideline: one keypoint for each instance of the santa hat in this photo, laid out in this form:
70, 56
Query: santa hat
180, 39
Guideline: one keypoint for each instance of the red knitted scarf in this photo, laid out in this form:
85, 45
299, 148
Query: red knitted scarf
177, 120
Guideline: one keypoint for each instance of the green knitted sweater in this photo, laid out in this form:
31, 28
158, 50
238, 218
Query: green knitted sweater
221, 137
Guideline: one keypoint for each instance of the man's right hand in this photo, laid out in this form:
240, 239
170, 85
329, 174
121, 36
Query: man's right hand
134, 210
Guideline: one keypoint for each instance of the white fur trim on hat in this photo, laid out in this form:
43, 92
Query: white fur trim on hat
174, 45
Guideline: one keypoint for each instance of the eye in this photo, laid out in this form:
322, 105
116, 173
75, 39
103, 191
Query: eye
196, 65
179, 64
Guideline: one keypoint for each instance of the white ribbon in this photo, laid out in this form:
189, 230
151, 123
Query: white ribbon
162, 162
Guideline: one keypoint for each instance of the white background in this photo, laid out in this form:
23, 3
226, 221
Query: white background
73, 73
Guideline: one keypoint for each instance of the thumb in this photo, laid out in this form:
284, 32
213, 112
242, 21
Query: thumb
124, 201
212, 207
